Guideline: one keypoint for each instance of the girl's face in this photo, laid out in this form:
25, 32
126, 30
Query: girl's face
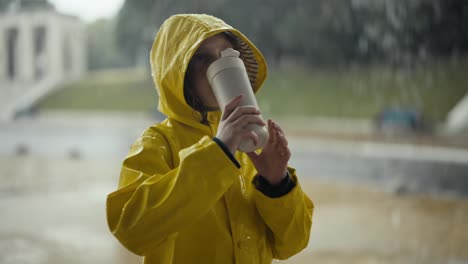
207, 53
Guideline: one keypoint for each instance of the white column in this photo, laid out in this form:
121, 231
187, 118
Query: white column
54, 48
84, 50
3, 54
79, 51
17, 56
26, 50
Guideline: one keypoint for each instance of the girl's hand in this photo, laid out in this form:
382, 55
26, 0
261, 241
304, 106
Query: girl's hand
232, 129
272, 162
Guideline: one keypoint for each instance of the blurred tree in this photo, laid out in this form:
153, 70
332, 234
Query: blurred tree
321, 31
408, 32
102, 47
318, 32
133, 22
442, 28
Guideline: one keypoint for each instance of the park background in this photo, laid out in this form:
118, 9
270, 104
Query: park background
373, 96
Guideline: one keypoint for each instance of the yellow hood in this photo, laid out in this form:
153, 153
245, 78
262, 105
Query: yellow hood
177, 40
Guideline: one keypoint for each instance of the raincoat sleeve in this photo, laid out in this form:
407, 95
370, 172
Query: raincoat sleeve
155, 201
289, 218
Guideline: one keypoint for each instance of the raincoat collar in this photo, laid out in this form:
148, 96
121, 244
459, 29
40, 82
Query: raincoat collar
177, 40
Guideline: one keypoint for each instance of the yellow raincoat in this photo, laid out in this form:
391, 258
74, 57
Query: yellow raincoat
180, 198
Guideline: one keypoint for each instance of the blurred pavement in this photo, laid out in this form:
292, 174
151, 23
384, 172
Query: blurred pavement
375, 202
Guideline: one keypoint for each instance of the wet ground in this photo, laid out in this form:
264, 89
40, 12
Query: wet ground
391, 166
359, 225
52, 211
375, 203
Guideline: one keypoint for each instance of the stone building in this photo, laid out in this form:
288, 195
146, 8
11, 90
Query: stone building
38, 50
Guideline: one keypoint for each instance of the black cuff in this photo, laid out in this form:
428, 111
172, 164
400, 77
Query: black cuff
226, 150
273, 191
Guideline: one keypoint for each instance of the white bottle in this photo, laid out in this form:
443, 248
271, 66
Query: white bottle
228, 78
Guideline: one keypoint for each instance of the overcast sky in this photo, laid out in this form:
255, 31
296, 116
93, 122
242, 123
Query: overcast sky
88, 10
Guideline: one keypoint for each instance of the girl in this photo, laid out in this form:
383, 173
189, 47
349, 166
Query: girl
185, 194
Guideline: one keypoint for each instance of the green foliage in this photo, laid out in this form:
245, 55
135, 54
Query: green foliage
120, 90
360, 92
102, 49
333, 33
363, 92
134, 28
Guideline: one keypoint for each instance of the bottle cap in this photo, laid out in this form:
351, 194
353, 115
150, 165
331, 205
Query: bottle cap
229, 59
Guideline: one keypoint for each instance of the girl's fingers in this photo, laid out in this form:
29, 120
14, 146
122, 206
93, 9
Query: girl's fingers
278, 143
271, 132
250, 134
278, 127
282, 153
282, 145
282, 139
231, 106
243, 111
243, 121
286, 153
